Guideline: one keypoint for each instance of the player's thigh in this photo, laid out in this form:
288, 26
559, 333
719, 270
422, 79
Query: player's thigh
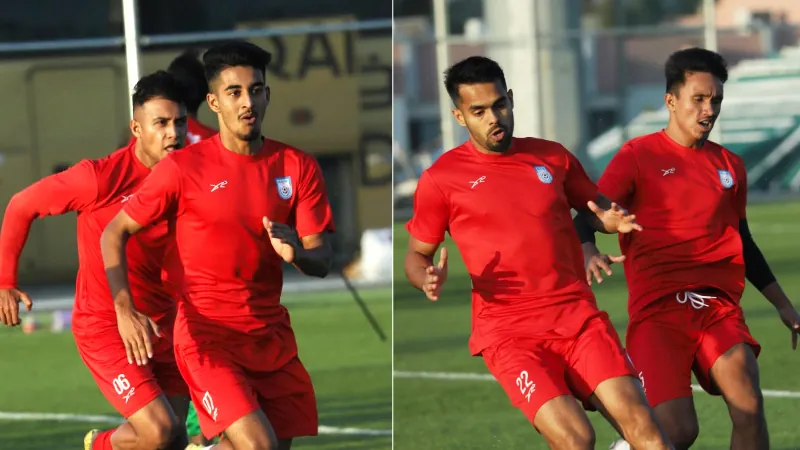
727, 358
595, 356
251, 431
128, 387
287, 398
217, 385
662, 352
156, 423
529, 372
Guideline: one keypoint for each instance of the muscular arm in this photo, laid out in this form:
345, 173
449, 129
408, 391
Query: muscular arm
70, 190
112, 244
419, 256
314, 258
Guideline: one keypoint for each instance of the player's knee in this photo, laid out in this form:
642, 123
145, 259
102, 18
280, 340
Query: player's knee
574, 437
747, 414
261, 441
682, 433
579, 439
160, 432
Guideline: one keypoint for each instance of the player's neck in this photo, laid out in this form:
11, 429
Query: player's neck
142, 155
681, 138
236, 145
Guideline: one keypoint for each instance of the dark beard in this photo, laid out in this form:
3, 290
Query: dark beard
254, 135
500, 146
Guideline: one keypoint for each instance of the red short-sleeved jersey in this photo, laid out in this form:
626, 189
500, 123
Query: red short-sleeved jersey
510, 217
214, 200
689, 203
96, 190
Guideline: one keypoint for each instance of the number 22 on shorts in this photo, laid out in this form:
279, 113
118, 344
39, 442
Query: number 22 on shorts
526, 387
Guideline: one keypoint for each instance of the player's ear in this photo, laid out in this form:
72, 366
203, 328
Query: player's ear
459, 117
669, 101
268, 93
213, 102
136, 128
511, 97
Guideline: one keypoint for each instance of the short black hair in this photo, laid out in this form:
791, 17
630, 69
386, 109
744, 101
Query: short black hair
475, 69
188, 69
693, 60
159, 84
234, 54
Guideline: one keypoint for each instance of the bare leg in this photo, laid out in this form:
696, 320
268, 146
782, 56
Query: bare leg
623, 400
251, 432
736, 375
155, 426
564, 425
679, 419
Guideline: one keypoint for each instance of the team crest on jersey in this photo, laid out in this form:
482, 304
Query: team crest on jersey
284, 187
193, 138
543, 174
725, 178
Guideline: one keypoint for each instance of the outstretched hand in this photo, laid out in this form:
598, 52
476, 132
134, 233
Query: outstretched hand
615, 219
435, 277
791, 319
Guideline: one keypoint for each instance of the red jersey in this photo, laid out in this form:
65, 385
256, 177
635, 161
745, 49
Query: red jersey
215, 199
689, 203
509, 215
197, 131
96, 190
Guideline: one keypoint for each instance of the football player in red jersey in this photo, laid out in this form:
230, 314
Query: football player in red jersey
686, 271
150, 397
240, 206
507, 204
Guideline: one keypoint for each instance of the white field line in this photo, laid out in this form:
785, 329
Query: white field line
114, 420
467, 376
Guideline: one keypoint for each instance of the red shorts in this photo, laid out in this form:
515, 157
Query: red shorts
534, 371
129, 387
229, 382
681, 335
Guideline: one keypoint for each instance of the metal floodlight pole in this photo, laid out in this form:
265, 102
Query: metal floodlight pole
710, 37
131, 22
442, 62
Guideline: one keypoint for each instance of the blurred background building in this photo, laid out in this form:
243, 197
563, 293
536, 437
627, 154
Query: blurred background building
63, 75
589, 74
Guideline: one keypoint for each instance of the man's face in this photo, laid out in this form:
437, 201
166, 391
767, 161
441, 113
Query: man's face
240, 98
697, 104
486, 109
160, 125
